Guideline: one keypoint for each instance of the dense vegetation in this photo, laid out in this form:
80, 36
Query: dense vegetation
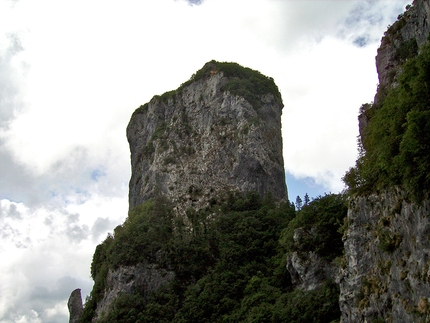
321, 223
395, 150
229, 261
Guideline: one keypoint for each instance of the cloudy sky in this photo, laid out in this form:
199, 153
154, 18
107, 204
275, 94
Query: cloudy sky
72, 73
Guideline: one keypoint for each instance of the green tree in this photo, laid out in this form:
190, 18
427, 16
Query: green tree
306, 199
320, 222
298, 203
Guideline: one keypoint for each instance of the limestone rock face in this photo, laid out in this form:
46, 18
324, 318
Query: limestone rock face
402, 40
144, 277
387, 250
202, 138
75, 306
387, 246
309, 271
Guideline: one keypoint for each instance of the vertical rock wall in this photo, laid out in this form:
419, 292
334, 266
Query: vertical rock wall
387, 246
145, 278
200, 139
402, 40
387, 250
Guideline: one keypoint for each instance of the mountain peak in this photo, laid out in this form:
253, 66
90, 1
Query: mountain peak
219, 131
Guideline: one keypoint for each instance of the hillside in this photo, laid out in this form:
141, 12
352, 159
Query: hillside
229, 265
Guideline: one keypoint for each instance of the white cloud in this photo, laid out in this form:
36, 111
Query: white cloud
71, 75
320, 118
48, 252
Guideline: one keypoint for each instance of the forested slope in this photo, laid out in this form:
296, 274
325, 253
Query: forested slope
229, 264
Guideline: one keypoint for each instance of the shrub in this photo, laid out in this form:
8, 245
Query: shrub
319, 222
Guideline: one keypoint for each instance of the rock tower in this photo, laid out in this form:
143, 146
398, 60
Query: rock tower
221, 130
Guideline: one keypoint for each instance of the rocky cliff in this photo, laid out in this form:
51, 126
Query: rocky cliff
219, 131
217, 135
144, 277
309, 271
387, 248
400, 42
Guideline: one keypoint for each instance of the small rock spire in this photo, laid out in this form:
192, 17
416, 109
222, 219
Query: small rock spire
75, 306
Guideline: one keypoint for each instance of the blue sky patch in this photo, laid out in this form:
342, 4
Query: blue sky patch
301, 186
96, 174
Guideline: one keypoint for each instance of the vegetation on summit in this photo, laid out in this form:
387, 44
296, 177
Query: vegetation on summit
229, 262
242, 81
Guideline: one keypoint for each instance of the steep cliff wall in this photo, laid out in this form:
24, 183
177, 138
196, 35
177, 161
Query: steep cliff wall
402, 40
144, 278
219, 131
387, 249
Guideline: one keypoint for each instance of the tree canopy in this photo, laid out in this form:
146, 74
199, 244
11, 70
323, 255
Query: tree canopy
229, 262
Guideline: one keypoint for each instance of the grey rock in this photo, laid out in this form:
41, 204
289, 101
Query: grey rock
397, 45
387, 250
189, 144
387, 246
414, 24
144, 278
75, 306
202, 140
308, 270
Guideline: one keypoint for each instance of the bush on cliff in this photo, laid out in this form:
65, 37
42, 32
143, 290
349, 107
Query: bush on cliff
319, 222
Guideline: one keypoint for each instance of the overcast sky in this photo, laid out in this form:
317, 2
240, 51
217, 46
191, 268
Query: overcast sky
72, 73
